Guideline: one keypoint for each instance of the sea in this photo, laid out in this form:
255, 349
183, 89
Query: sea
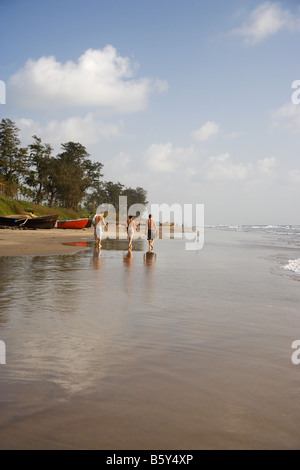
173, 349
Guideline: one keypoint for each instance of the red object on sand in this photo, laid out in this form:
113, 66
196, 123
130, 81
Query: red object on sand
76, 224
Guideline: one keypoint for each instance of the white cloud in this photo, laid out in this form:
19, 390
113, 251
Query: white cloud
86, 130
234, 135
294, 176
289, 115
165, 158
209, 129
221, 168
267, 20
100, 78
119, 163
267, 166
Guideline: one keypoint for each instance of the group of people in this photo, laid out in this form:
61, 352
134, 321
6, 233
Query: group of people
151, 230
131, 227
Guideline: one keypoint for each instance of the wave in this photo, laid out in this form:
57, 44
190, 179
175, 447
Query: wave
293, 265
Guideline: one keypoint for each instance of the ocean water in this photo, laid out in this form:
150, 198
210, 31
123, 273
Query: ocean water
173, 349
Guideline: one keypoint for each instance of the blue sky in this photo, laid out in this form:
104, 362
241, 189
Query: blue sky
190, 99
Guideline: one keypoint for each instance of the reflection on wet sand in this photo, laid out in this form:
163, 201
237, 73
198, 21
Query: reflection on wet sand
96, 257
128, 258
149, 258
166, 350
122, 245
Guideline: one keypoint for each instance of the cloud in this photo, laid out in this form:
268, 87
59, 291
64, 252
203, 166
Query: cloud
209, 129
294, 176
121, 163
266, 166
100, 78
289, 115
234, 135
164, 158
86, 130
221, 168
267, 20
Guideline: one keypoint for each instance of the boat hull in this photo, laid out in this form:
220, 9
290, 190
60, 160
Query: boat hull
11, 221
46, 222
73, 224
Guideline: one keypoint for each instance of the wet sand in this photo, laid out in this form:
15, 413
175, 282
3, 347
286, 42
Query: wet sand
16, 242
41, 242
185, 350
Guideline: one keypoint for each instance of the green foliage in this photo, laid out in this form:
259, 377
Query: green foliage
40, 161
13, 158
70, 180
76, 174
9, 206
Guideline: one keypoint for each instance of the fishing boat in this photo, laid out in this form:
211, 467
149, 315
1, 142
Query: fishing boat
73, 224
23, 221
8, 221
43, 222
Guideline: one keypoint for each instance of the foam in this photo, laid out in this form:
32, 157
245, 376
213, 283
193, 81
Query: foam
293, 265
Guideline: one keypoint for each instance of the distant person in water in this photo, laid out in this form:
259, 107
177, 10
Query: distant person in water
131, 228
99, 224
151, 231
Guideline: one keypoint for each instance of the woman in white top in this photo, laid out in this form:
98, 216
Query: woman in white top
131, 228
99, 223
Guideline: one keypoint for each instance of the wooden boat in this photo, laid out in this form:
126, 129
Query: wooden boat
9, 221
73, 224
44, 222
23, 221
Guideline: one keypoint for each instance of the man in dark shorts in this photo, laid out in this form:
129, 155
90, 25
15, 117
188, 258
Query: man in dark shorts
152, 231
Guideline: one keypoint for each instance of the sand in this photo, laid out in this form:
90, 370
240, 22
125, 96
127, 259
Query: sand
16, 242
41, 242
181, 350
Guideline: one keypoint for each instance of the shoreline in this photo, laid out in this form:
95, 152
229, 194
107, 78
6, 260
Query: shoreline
42, 242
19, 242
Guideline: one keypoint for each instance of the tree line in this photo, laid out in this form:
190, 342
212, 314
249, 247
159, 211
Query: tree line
69, 179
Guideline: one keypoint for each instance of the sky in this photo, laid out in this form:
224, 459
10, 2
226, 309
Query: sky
196, 101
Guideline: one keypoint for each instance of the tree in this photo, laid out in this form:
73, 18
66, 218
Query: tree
13, 158
52, 183
77, 174
40, 161
135, 196
69, 179
111, 193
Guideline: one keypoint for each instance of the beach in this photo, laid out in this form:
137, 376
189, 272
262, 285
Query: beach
33, 242
16, 242
174, 349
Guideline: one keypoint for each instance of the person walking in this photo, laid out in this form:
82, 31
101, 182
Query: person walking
99, 224
151, 231
131, 228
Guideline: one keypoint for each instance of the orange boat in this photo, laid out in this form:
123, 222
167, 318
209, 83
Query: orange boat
75, 224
